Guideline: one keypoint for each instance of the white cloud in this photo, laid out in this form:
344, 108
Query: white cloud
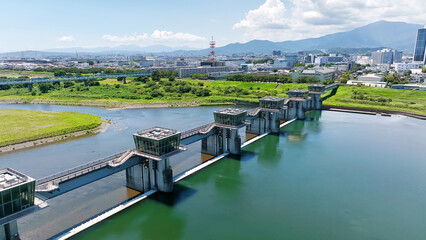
66, 39
313, 18
156, 37
268, 16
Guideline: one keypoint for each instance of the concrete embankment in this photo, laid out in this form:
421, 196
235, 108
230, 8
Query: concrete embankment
372, 111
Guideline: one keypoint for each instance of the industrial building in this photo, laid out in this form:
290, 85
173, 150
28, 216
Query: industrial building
321, 74
188, 72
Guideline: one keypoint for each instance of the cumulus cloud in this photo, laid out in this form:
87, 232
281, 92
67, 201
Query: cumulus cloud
270, 15
157, 36
66, 39
275, 21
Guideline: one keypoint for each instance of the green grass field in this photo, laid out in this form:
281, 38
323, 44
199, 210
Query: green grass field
17, 74
112, 93
23, 125
401, 100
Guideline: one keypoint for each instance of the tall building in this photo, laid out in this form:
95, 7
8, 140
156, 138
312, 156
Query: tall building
419, 49
382, 56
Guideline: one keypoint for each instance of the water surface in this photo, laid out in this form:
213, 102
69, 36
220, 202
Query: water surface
334, 176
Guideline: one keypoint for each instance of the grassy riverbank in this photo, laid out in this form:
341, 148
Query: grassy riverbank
188, 92
379, 98
19, 126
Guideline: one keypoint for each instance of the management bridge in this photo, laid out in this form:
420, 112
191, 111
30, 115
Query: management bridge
148, 166
84, 78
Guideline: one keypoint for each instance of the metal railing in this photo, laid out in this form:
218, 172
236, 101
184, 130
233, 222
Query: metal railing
331, 86
194, 131
79, 170
254, 112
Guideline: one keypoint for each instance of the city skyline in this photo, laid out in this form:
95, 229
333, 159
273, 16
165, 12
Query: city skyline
49, 25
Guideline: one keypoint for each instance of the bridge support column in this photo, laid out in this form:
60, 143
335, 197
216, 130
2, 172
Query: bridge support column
224, 141
85, 83
135, 178
316, 102
150, 175
266, 122
274, 122
124, 80
297, 109
164, 175
30, 87
9, 231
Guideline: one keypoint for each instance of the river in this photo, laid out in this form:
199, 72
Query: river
333, 176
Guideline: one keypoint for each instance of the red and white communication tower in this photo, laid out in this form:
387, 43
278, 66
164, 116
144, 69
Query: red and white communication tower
212, 46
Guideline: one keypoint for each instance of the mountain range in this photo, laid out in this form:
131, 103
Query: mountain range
397, 35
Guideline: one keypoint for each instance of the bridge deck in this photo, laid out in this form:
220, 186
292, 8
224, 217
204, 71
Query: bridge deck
52, 182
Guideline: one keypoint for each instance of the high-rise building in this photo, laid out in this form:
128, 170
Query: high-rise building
384, 56
419, 49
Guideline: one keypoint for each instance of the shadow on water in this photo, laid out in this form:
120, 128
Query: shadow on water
294, 132
247, 155
228, 179
314, 121
180, 193
269, 152
154, 225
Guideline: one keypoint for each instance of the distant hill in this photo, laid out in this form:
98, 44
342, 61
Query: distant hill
398, 35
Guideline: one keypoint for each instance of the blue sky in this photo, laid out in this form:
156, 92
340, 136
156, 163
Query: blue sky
47, 24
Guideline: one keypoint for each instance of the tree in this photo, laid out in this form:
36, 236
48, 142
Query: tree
155, 76
345, 78
59, 73
407, 73
143, 79
424, 70
45, 87
305, 79
91, 63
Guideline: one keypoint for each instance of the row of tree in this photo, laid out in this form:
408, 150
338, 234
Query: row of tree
259, 78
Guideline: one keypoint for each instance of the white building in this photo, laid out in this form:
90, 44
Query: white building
417, 76
282, 63
371, 78
321, 60
402, 67
321, 74
383, 67
368, 84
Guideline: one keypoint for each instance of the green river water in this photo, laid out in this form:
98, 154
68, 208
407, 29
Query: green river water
333, 176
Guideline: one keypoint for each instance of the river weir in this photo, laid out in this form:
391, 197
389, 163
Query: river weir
315, 132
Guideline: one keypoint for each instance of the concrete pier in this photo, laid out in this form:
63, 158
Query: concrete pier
228, 134
30, 87
9, 231
298, 103
267, 117
154, 172
315, 92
